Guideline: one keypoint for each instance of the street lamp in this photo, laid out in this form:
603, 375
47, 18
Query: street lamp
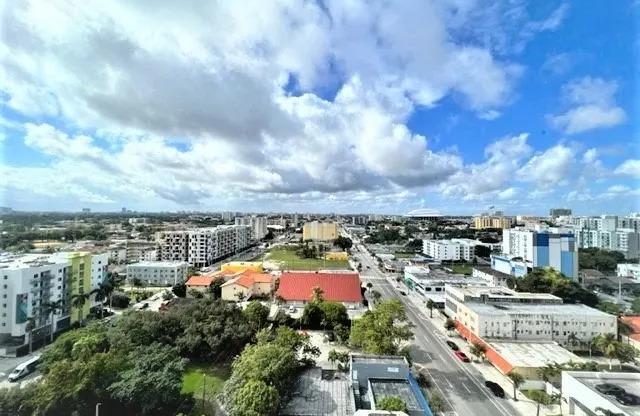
98, 408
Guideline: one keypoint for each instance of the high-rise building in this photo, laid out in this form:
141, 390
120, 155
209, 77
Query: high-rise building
320, 231
559, 212
543, 249
625, 240
257, 224
484, 221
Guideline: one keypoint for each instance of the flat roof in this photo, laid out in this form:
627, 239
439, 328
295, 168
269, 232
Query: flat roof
493, 272
398, 388
505, 308
321, 392
630, 382
378, 359
149, 263
533, 354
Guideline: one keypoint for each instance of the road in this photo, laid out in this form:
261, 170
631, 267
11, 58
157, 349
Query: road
7, 364
459, 383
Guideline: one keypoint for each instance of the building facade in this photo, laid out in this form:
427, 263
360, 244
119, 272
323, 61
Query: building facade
320, 231
258, 225
489, 221
448, 250
543, 249
625, 240
559, 212
158, 273
629, 270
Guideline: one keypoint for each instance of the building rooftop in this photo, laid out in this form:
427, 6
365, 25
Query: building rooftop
338, 287
249, 278
493, 272
199, 281
494, 293
630, 382
502, 309
533, 354
149, 263
320, 392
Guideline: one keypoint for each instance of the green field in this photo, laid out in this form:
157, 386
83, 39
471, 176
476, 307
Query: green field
211, 376
291, 261
461, 268
403, 255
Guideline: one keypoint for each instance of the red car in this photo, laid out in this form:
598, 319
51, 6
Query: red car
461, 356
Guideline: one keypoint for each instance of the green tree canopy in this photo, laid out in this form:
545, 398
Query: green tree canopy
382, 330
256, 314
391, 403
551, 281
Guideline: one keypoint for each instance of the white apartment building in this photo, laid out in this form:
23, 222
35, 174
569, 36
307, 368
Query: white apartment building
501, 313
629, 270
257, 224
158, 273
583, 398
433, 286
625, 240
446, 250
27, 283
99, 268
201, 247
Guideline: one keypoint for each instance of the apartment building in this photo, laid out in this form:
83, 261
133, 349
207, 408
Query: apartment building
257, 224
489, 221
543, 249
501, 313
320, 231
201, 247
158, 273
559, 212
625, 240
628, 270
448, 250
27, 284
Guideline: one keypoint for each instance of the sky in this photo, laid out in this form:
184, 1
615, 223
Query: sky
320, 106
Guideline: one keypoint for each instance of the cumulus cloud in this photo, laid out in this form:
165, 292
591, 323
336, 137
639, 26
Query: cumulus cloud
550, 167
593, 106
629, 167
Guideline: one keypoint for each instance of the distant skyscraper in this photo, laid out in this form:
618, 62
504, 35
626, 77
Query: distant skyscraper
558, 212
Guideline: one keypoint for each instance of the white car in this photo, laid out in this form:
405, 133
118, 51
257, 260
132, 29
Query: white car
292, 309
24, 369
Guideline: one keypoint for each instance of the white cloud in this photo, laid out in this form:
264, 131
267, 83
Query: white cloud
594, 106
549, 168
629, 167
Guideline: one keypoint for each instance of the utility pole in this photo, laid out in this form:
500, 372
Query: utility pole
204, 383
98, 408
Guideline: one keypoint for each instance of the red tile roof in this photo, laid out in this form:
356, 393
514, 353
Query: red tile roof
337, 287
199, 281
249, 278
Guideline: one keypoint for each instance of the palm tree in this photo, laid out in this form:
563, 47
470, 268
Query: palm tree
540, 397
449, 325
376, 296
549, 371
431, 304
573, 340
478, 350
517, 379
557, 397
607, 344
51, 308
317, 294
369, 285
102, 293
78, 301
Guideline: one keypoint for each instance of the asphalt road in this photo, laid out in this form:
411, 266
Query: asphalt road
7, 364
459, 383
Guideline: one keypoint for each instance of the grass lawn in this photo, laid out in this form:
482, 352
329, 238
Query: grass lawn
197, 373
403, 255
291, 261
461, 269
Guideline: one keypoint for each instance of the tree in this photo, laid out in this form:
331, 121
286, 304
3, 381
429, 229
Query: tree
556, 398
312, 315
607, 345
517, 379
215, 289
610, 308
635, 305
335, 313
431, 304
478, 350
343, 242
548, 280
540, 397
102, 293
78, 301
549, 372
382, 330
255, 397
152, 382
436, 403
376, 296
573, 340
369, 285
391, 403
339, 357
51, 308
257, 314
180, 290
626, 353
449, 325
317, 294
29, 327
119, 300
482, 251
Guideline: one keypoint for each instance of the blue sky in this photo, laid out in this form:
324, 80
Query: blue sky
454, 105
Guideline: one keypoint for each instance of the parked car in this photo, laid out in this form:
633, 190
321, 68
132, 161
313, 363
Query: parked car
24, 369
403, 293
453, 345
292, 309
495, 388
608, 388
461, 356
627, 399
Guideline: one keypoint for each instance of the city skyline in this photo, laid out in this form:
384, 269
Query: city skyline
377, 108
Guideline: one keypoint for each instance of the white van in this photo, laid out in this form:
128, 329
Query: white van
24, 369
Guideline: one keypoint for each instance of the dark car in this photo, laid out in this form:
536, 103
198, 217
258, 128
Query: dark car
462, 356
495, 388
453, 345
403, 293
608, 388
627, 399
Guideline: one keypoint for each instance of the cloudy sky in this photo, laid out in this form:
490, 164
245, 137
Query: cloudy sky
320, 106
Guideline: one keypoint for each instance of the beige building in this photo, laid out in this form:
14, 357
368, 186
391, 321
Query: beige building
486, 221
320, 231
248, 284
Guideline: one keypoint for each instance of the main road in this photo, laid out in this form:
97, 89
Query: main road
461, 385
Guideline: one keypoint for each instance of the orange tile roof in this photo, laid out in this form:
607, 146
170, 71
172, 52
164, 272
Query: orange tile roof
633, 322
249, 278
199, 281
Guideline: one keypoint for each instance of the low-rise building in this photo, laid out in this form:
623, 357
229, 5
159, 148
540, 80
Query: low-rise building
448, 250
502, 313
629, 270
246, 285
158, 273
513, 266
490, 276
297, 288
198, 284
584, 391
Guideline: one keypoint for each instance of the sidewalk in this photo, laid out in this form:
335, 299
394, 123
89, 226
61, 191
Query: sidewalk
524, 405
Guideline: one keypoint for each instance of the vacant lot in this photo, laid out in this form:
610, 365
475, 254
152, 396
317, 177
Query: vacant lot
461, 268
199, 375
288, 259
